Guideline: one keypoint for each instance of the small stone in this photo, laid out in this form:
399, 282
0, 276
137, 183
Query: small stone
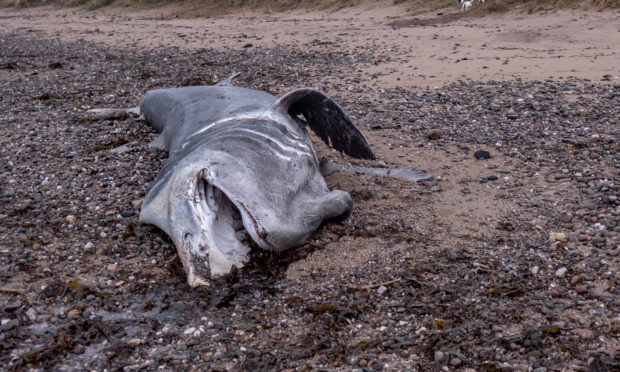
89, 245
492, 178
433, 136
135, 341
455, 362
576, 279
127, 213
381, 290
74, 313
557, 236
482, 155
189, 331
31, 314
535, 270
381, 164
511, 114
363, 363
497, 328
583, 333
111, 267
7, 325
561, 272
71, 219
521, 367
440, 356
540, 369
136, 203
377, 366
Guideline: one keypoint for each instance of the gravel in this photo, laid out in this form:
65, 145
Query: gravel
85, 286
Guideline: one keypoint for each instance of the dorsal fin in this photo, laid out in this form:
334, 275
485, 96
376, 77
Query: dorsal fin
228, 81
326, 119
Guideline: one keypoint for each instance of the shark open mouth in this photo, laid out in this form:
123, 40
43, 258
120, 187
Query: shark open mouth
218, 243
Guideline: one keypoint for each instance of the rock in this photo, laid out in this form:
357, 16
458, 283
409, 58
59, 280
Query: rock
89, 245
557, 236
492, 178
31, 314
71, 219
455, 362
511, 114
482, 155
440, 357
561, 272
127, 213
583, 333
135, 341
190, 331
535, 270
377, 366
581, 289
599, 242
12, 306
381, 290
112, 267
434, 135
74, 313
576, 279
7, 324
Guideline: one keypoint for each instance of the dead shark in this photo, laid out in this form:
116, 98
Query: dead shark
241, 160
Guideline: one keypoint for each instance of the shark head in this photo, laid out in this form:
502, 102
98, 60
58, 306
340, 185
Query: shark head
211, 202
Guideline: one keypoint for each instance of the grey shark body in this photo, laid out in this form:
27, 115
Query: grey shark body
241, 159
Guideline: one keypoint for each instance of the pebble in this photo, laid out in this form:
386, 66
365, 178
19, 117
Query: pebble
112, 267
583, 333
381, 290
561, 272
189, 331
482, 155
74, 313
535, 270
31, 314
557, 236
135, 341
511, 114
127, 213
455, 362
576, 279
89, 245
71, 219
7, 324
440, 357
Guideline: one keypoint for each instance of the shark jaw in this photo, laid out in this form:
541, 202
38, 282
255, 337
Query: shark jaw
211, 239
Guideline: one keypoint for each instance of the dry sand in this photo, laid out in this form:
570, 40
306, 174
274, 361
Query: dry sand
510, 263
423, 51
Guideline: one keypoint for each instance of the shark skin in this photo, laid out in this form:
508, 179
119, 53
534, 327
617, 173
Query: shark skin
241, 165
